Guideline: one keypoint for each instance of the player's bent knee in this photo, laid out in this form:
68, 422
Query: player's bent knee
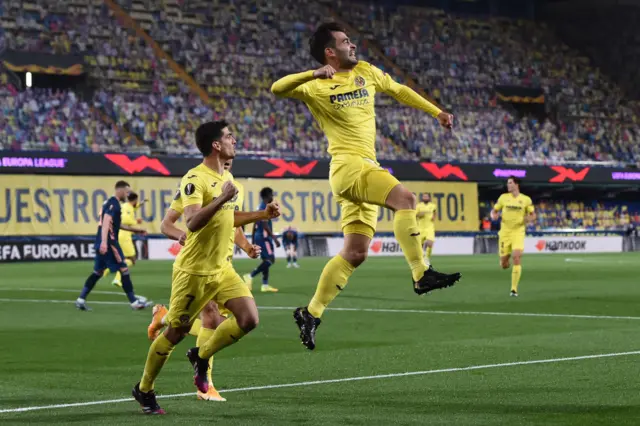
175, 335
248, 321
354, 257
124, 271
400, 198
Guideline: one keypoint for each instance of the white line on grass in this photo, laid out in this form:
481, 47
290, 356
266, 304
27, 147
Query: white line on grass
61, 290
393, 311
347, 379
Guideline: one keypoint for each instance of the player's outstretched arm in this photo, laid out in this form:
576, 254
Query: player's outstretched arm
407, 96
169, 229
291, 85
243, 218
132, 229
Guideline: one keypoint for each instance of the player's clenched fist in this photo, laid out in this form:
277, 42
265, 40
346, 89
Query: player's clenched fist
272, 210
183, 238
325, 72
446, 120
229, 190
254, 251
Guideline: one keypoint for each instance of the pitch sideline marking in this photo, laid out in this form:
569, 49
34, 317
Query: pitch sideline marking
396, 311
346, 379
61, 290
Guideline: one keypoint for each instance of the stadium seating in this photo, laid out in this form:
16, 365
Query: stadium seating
563, 215
236, 50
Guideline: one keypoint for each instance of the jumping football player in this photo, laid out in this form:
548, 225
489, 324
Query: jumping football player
340, 95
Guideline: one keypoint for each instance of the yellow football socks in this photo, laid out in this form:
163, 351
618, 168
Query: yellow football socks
406, 231
159, 352
226, 334
516, 273
204, 335
333, 279
196, 327
429, 251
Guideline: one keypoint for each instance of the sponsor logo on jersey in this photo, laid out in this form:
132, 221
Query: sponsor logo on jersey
349, 96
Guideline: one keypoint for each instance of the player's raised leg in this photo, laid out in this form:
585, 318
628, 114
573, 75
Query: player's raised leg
372, 187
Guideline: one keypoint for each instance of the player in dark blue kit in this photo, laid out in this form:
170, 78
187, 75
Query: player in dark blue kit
290, 241
108, 251
264, 237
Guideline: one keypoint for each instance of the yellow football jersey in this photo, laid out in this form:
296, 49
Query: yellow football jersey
344, 105
176, 204
206, 250
428, 209
514, 211
128, 218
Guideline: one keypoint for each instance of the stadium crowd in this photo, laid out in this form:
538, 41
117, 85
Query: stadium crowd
260, 42
564, 215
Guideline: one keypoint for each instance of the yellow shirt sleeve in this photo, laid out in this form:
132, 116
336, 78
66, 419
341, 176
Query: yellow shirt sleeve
529, 208
293, 86
401, 93
192, 191
499, 204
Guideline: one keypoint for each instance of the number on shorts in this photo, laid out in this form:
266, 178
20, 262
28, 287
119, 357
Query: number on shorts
191, 299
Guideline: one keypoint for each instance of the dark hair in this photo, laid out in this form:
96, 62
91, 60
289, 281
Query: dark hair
323, 38
132, 196
515, 180
207, 133
266, 192
121, 184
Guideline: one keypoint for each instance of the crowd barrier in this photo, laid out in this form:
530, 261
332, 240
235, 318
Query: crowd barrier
154, 247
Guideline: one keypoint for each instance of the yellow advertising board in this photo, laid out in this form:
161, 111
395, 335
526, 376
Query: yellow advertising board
70, 205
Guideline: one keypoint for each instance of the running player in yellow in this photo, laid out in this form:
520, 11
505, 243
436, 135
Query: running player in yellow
210, 317
125, 238
340, 95
426, 215
202, 271
517, 209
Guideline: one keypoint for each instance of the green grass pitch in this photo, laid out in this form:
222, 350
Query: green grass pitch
52, 354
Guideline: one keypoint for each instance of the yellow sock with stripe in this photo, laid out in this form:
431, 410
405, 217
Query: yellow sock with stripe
196, 327
516, 273
118, 277
204, 335
225, 335
159, 353
333, 279
429, 251
406, 231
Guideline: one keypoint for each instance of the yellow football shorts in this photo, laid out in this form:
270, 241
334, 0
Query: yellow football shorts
128, 249
510, 241
360, 186
190, 293
427, 234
